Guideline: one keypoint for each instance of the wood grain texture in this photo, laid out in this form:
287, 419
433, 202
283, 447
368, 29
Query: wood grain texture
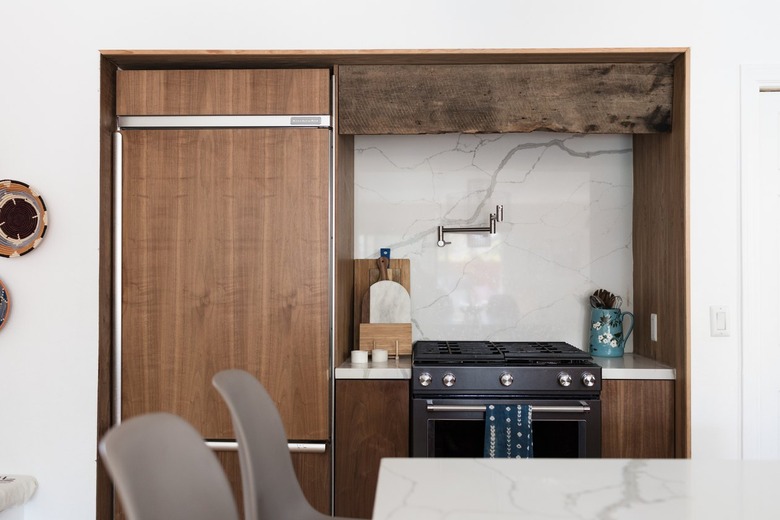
232, 467
343, 239
226, 59
225, 264
661, 242
104, 491
394, 337
610, 98
223, 92
637, 419
372, 421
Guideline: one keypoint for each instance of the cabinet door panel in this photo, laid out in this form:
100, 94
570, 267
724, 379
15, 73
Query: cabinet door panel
637, 419
223, 92
372, 421
224, 262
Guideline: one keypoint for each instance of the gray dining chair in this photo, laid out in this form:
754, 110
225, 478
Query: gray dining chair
163, 470
270, 486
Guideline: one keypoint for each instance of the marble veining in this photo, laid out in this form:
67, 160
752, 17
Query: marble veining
567, 228
585, 489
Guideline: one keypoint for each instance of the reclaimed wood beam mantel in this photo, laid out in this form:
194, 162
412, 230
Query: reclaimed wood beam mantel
614, 98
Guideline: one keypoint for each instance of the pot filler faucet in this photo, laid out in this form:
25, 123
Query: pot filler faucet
498, 216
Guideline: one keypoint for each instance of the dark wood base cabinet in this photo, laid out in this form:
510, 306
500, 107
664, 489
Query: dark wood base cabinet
637, 418
372, 421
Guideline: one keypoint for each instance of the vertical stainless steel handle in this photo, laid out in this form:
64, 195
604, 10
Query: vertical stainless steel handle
117, 303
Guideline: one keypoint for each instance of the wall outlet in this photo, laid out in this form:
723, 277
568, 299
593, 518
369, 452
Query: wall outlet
654, 327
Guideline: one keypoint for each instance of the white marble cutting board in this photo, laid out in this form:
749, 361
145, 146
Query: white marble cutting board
389, 303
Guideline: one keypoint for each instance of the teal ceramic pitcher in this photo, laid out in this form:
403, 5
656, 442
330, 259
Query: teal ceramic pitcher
607, 338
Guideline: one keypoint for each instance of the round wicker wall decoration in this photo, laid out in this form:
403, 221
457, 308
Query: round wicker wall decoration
5, 304
23, 218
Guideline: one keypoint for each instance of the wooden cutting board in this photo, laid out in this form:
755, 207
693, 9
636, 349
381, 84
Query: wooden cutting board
379, 335
365, 305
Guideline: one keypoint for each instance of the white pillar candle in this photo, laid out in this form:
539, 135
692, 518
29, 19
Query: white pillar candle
379, 355
359, 356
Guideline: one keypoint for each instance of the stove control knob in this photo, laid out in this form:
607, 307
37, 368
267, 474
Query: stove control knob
564, 379
588, 379
506, 379
448, 379
425, 379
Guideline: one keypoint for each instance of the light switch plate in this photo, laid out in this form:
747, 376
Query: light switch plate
720, 321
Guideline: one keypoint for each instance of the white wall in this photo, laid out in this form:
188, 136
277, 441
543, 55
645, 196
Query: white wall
49, 138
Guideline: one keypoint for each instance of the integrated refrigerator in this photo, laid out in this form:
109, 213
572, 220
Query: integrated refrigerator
223, 252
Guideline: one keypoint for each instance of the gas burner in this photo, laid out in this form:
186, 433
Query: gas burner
461, 351
536, 350
501, 352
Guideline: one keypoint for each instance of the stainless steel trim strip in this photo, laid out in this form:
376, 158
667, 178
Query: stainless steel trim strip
295, 121
332, 292
478, 408
294, 447
117, 303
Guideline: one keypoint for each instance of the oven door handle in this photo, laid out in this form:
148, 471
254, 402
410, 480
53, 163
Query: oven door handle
584, 407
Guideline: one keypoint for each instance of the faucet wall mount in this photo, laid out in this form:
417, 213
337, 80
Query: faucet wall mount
498, 216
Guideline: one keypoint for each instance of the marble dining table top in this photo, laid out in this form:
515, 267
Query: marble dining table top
581, 489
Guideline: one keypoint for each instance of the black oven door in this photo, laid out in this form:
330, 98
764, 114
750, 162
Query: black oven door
455, 427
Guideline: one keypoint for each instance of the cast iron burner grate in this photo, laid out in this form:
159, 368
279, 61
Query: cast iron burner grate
510, 352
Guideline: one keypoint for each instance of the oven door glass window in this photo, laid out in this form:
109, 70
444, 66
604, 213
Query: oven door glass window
466, 438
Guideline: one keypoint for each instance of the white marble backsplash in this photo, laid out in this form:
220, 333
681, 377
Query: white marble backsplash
566, 231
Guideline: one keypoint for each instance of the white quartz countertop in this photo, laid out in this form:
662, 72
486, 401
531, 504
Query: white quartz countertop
585, 489
633, 366
391, 369
630, 366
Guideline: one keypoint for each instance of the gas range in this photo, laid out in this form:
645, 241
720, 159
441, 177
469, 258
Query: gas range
528, 368
454, 383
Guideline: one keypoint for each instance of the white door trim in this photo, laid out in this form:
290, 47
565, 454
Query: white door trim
754, 79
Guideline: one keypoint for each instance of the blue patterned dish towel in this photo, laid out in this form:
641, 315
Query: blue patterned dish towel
508, 432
